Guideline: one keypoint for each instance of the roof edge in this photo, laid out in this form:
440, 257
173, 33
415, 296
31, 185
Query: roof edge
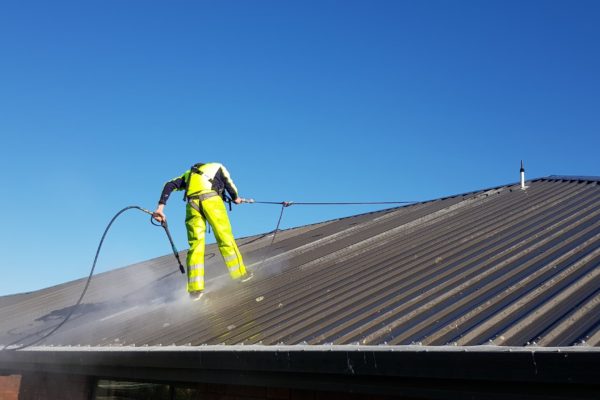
313, 348
319, 365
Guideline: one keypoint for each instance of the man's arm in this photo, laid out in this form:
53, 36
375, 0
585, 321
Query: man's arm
173, 185
229, 185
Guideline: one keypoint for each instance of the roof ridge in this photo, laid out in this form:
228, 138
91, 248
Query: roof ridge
579, 178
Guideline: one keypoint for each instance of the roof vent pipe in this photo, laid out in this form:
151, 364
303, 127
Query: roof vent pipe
523, 187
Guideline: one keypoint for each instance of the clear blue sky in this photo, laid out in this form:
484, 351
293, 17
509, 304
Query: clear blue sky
101, 102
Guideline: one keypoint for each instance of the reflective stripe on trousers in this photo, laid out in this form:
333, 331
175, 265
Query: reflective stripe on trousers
195, 277
214, 210
236, 270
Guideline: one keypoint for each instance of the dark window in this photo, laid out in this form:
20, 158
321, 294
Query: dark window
121, 390
183, 393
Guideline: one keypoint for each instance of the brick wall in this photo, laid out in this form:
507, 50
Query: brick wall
9, 387
48, 386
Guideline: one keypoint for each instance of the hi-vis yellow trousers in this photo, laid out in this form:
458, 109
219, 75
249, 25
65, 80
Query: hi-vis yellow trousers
213, 211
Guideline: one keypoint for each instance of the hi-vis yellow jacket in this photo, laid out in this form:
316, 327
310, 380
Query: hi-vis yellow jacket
201, 179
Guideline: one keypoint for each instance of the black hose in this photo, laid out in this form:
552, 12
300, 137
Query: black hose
89, 278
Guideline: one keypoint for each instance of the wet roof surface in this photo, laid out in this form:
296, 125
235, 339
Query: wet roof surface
503, 266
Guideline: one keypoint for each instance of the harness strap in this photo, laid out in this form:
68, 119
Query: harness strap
203, 196
194, 169
200, 198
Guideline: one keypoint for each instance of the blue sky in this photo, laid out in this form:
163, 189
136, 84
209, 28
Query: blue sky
101, 102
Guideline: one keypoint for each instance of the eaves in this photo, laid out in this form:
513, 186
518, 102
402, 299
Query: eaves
430, 371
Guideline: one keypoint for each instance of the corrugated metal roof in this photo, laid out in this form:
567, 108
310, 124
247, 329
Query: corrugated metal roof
502, 266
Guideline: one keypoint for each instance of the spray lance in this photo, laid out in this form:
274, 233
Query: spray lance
166, 228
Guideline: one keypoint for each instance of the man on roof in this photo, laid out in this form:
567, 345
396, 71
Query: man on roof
205, 186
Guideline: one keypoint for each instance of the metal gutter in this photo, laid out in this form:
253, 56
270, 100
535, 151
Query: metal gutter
430, 371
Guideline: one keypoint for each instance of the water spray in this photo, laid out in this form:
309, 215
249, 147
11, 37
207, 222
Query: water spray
163, 224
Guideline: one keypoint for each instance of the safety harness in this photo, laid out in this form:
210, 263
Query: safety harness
195, 169
217, 191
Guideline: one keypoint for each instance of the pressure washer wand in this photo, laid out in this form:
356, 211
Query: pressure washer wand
175, 252
166, 228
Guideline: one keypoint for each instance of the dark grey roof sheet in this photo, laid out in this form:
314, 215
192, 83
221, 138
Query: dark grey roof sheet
502, 266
